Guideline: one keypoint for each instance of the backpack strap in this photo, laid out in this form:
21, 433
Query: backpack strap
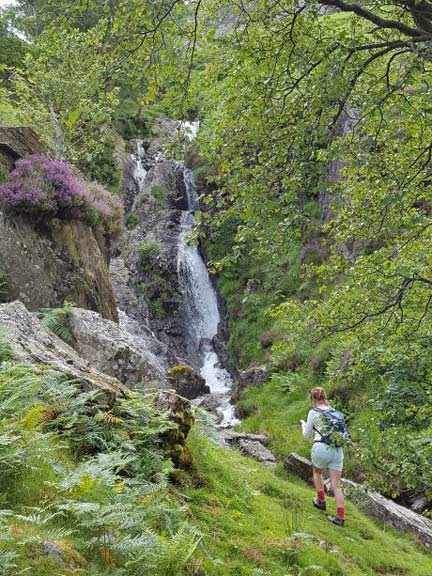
320, 411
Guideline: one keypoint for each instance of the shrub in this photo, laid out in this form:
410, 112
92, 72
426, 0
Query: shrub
41, 185
132, 220
53, 188
105, 208
149, 251
159, 194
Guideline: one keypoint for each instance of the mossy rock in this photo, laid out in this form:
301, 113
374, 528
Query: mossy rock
187, 382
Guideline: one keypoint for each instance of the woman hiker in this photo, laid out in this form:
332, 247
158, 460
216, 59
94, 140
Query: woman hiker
324, 455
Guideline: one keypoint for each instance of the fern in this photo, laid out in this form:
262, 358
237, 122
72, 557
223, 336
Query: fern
56, 320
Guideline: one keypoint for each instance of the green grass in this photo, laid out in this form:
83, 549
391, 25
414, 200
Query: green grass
277, 411
259, 521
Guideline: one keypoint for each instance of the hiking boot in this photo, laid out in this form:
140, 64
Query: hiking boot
320, 504
336, 520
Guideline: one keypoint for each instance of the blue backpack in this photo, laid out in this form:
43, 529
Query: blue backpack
335, 431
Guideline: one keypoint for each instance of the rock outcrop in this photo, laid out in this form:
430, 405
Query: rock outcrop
30, 342
15, 143
187, 382
250, 445
145, 275
253, 376
112, 349
179, 412
66, 260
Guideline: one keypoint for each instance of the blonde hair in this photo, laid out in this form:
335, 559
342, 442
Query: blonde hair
318, 395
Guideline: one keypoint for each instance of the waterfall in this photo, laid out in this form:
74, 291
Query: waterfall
201, 307
140, 172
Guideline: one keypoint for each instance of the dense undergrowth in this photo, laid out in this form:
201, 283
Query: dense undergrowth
84, 481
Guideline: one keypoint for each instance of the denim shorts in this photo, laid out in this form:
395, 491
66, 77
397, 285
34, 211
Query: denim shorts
324, 456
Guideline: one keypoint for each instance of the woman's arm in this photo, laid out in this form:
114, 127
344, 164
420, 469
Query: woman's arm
307, 427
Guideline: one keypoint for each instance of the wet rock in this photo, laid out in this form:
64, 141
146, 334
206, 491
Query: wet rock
187, 382
45, 266
233, 437
210, 403
420, 504
133, 359
257, 451
32, 343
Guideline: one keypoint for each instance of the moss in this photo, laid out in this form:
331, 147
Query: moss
180, 370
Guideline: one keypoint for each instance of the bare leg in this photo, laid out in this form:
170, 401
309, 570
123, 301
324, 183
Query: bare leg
335, 478
318, 479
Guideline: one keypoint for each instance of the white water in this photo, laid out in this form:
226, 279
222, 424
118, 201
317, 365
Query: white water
140, 172
202, 312
189, 129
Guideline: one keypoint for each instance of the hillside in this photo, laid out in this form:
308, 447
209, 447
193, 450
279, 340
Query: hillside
207, 209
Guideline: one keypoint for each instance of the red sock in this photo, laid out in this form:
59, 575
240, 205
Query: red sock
321, 495
340, 512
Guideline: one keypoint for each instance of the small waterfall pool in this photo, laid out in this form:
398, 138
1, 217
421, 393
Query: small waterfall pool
201, 308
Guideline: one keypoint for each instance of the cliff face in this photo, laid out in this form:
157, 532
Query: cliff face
63, 261
16, 143
145, 275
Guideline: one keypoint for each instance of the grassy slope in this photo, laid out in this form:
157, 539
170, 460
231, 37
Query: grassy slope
260, 521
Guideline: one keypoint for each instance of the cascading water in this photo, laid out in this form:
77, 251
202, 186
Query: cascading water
140, 172
201, 308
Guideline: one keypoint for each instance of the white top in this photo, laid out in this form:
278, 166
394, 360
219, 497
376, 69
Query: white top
313, 420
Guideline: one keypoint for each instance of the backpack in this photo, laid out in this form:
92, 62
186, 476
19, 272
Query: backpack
335, 431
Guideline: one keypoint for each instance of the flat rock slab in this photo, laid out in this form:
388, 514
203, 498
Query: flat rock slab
299, 466
372, 503
32, 343
233, 437
257, 451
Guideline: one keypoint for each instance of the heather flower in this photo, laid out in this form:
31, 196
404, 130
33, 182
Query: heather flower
52, 188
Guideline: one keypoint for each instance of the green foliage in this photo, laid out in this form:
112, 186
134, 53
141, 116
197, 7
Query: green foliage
159, 193
86, 472
149, 251
133, 220
5, 347
56, 320
102, 167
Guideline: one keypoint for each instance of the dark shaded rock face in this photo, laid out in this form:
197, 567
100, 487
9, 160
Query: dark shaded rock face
15, 143
144, 275
187, 382
66, 260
